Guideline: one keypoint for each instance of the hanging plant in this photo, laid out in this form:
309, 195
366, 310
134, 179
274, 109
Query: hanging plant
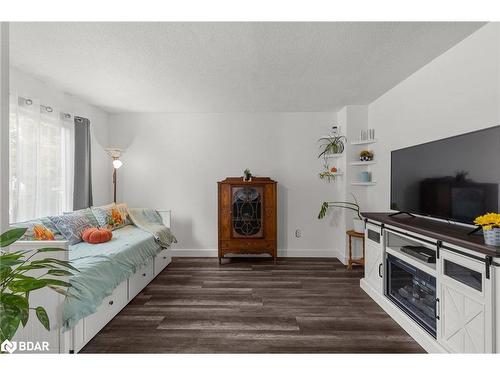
334, 144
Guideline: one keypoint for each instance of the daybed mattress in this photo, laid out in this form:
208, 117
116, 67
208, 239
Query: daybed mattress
102, 268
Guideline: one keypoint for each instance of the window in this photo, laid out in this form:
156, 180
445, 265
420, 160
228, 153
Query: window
41, 161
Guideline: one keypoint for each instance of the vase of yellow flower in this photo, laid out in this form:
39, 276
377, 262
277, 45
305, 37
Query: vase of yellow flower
491, 228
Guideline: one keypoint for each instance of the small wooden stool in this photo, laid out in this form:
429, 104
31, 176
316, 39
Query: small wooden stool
361, 261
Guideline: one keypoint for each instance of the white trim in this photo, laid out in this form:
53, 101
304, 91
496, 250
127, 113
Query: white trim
195, 253
282, 253
4, 126
308, 253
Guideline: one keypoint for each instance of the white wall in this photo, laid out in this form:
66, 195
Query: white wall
4, 125
26, 85
175, 160
352, 119
457, 92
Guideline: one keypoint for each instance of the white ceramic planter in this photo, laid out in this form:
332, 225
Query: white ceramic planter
492, 237
359, 225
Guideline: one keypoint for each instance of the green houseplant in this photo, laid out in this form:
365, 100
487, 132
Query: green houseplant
333, 144
353, 206
16, 285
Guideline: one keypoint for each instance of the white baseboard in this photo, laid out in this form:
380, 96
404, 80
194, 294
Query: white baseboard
282, 253
195, 253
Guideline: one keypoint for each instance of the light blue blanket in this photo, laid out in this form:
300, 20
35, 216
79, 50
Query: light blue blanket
103, 267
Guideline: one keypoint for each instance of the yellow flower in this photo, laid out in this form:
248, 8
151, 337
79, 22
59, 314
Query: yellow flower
488, 221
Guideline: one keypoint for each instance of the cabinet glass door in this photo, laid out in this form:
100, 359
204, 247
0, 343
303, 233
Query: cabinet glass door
246, 217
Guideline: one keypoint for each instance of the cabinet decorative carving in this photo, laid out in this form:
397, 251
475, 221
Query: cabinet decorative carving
247, 216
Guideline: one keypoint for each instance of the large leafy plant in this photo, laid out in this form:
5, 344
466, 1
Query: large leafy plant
16, 285
353, 206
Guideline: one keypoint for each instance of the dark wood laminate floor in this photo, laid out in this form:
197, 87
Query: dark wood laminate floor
250, 305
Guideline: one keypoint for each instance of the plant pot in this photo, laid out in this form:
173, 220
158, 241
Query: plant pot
492, 237
359, 225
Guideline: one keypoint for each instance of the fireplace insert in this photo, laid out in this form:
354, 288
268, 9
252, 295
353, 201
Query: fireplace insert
413, 291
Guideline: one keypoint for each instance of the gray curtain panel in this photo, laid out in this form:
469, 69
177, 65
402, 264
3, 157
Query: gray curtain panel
82, 195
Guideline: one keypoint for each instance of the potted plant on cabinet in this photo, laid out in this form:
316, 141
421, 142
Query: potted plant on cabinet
358, 223
16, 285
247, 175
490, 223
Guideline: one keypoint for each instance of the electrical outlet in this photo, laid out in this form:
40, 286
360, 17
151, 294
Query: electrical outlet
298, 233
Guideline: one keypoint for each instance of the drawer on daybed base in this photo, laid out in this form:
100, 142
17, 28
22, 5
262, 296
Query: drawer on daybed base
162, 260
140, 279
109, 307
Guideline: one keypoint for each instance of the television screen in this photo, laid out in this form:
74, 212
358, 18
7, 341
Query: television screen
455, 178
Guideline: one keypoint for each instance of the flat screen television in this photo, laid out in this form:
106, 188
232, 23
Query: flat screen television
454, 178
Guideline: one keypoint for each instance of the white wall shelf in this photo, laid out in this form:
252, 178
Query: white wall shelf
359, 183
330, 136
364, 142
334, 156
361, 163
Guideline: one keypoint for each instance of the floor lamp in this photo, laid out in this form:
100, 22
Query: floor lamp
115, 154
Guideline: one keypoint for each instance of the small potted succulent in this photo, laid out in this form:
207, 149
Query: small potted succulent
366, 155
247, 175
490, 223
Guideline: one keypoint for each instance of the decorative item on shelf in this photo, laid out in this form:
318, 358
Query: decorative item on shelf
335, 144
366, 155
490, 223
16, 284
115, 154
247, 175
367, 135
358, 222
328, 173
335, 130
365, 176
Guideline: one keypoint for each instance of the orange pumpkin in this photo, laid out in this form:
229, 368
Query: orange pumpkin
96, 235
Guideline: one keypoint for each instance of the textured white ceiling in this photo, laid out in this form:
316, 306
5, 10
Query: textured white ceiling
229, 67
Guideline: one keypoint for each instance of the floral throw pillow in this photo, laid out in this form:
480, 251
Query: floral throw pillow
71, 226
112, 216
123, 210
38, 230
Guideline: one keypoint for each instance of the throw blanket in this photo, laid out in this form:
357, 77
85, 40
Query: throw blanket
150, 221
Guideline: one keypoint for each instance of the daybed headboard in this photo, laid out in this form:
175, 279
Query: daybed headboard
166, 216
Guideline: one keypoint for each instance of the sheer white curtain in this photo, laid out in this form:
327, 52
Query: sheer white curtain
41, 160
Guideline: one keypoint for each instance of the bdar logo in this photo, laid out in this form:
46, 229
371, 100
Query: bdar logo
8, 346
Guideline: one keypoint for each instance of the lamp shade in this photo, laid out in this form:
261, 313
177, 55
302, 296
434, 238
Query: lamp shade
117, 163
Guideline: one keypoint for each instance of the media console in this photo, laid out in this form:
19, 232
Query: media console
449, 303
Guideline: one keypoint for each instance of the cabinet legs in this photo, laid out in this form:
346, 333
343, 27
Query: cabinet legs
220, 260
